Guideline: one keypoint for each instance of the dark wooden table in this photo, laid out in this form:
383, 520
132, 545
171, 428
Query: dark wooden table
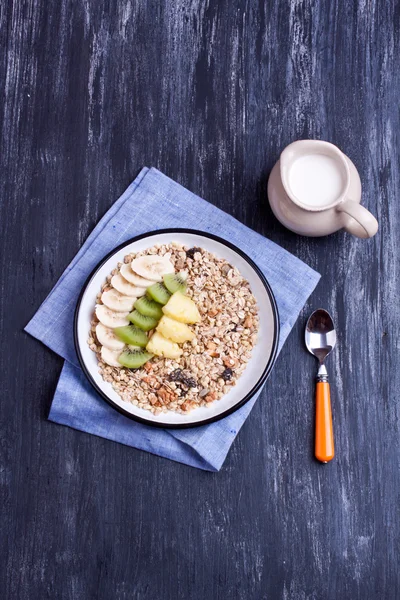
209, 92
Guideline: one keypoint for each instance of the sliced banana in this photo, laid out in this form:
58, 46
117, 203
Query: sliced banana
108, 338
124, 287
152, 266
116, 301
110, 318
110, 357
134, 278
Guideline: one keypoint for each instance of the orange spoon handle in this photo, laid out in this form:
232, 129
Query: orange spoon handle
324, 446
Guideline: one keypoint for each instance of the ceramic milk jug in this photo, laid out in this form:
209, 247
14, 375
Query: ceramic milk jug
314, 189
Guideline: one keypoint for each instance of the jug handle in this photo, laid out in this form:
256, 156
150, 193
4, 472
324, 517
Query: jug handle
362, 224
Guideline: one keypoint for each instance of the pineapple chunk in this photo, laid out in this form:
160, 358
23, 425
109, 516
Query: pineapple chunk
160, 346
181, 308
174, 330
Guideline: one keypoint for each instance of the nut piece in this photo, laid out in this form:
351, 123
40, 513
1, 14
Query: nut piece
187, 406
248, 322
229, 362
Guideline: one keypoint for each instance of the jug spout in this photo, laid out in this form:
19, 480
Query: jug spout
287, 158
293, 152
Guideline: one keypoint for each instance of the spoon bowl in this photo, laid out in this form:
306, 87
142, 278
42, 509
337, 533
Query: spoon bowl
320, 334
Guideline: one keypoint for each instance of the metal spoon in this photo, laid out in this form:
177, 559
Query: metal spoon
320, 341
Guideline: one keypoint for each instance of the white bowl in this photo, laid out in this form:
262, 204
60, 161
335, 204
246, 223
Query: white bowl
263, 354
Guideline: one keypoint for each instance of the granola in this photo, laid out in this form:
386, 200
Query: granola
212, 362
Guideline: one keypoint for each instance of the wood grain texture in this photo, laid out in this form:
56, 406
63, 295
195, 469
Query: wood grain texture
209, 92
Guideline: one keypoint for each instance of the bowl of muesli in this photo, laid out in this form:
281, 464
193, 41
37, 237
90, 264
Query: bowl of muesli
176, 328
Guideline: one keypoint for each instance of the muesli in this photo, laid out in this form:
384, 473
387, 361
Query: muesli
173, 328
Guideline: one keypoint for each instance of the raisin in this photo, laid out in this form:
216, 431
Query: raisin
191, 252
176, 375
227, 374
190, 382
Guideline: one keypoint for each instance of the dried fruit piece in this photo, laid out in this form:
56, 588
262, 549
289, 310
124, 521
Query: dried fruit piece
227, 374
183, 377
176, 375
192, 251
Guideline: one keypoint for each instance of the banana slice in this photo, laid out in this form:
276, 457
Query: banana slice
109, 318
124, 287
108, 338
152, 266
116, 301
133, 278
110, 357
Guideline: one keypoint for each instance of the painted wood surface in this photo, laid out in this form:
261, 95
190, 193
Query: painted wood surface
209, 92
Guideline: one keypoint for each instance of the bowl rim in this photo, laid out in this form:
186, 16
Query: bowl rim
261, 380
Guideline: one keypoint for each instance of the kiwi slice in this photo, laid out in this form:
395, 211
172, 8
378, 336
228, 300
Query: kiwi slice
159, 293
175, 282
148, 307
130, 334
141, 321
133, 358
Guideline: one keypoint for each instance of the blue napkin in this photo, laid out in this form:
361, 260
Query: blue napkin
75, 402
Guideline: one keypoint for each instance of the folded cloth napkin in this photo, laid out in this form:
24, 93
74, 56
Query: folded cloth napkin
75, 402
